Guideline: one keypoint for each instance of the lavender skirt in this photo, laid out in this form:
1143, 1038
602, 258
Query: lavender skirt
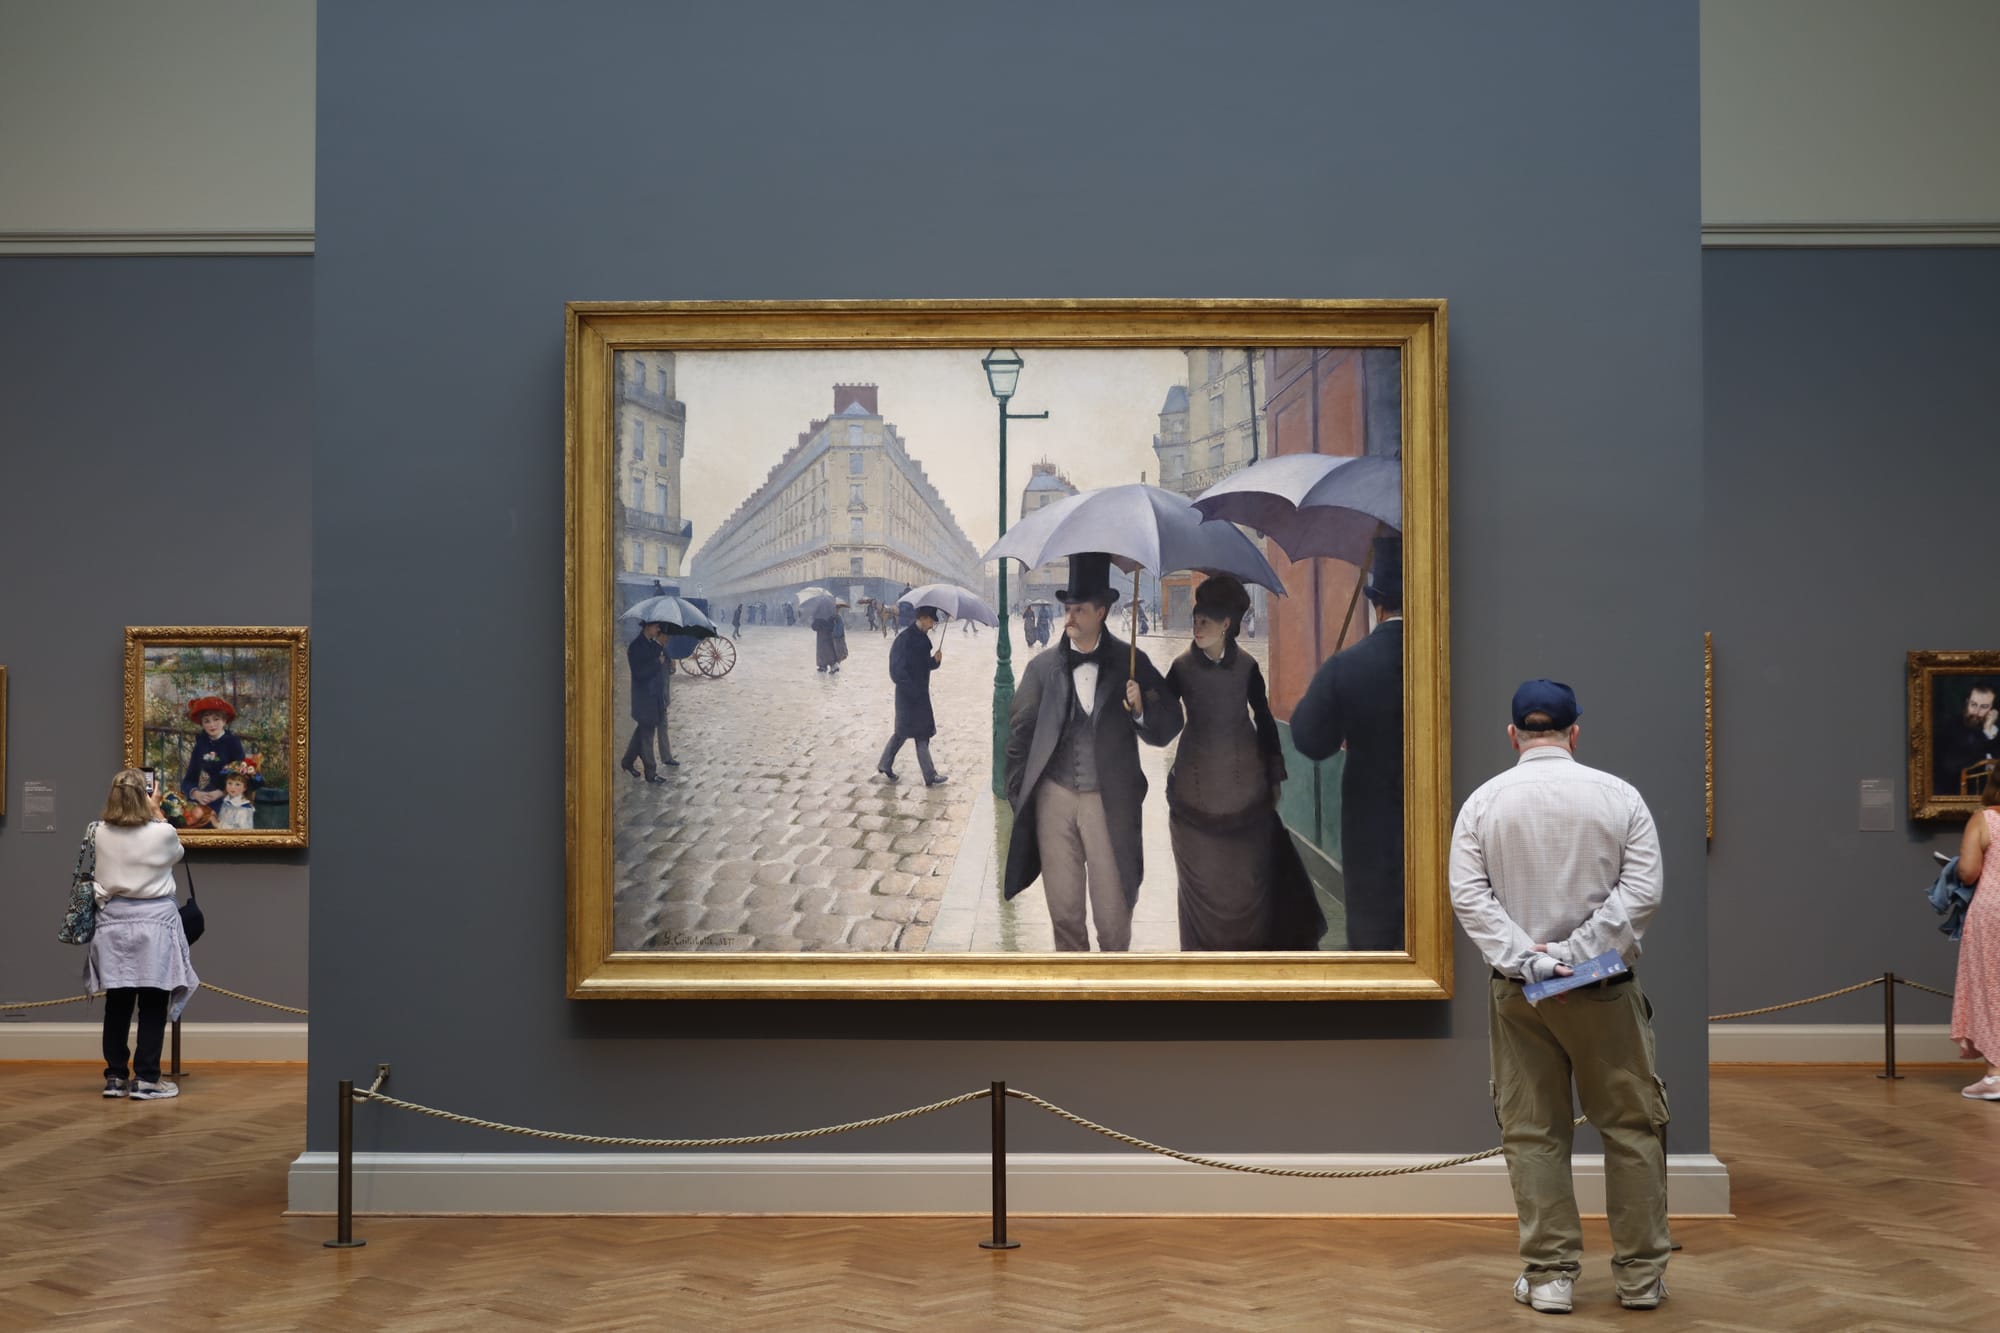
139, 942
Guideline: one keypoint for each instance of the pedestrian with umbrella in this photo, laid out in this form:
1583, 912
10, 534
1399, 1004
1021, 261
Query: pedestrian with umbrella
829, 644
1242, 885
646, 658
1073, 775
912, 658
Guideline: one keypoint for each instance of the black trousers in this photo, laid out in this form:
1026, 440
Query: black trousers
923, 753
641, 746
145, 1061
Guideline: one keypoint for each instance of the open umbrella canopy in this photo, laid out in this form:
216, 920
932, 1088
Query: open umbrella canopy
956, 602
1312, 504
812, 608
1141, 527
804, 595
679, 615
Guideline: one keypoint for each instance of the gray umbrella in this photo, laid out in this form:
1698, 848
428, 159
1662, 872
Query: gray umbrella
1141, 527
956, 602
679, 615
1312, 504
812, 608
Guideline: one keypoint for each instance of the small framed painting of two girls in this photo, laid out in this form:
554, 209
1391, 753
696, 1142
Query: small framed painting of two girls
219, 714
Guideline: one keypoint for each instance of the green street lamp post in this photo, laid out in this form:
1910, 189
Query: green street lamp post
1003, 372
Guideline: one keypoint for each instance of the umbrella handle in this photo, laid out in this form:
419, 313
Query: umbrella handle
1132, 669
1367, 561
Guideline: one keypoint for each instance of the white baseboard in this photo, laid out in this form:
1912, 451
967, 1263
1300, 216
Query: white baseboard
201, 1043
1826, 1043
862, 1183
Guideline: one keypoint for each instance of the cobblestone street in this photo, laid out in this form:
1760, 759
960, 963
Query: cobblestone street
776, 834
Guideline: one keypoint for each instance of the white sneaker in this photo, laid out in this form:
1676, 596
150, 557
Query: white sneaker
1548, 1292
1649, 1299
142, 1091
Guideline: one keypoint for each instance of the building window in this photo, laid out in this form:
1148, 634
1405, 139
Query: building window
638, 557
854, 492
1215, 363
663, 446
660, 561
663, 379
1215, 417
855, 464
854, 528
854, 566
638, 492
660, 497
638, 439
854, 434
1215, 454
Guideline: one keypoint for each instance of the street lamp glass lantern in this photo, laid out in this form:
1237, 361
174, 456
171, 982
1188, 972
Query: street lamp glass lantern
1003, 371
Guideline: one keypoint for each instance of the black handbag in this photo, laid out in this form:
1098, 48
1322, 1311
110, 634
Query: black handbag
192, 921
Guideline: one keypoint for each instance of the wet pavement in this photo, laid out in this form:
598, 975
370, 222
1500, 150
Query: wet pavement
775, 834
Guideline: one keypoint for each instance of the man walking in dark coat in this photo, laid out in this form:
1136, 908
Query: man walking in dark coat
911, 661
1073, 775
651, 669
1356, 700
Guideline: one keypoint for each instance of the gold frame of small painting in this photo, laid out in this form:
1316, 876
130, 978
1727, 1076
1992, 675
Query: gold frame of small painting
1940, 685
259, 677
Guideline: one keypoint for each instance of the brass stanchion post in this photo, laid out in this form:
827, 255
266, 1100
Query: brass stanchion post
176, 1071
344, 1228
999, 1241
1888, 1026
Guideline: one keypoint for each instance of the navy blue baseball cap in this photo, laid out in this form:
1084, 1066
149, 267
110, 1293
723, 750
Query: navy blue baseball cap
1551, 697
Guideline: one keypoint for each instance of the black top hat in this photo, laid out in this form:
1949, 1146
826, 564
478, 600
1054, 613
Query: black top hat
1089, 580
1385, 571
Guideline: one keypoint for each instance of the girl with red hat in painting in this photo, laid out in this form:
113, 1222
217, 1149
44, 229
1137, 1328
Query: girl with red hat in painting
216, 748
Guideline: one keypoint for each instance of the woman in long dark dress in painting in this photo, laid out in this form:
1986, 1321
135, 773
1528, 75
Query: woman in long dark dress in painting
1242, 884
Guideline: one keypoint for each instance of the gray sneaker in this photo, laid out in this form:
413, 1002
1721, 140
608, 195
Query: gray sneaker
1649, 1299
142, 1091
114, 1087
1548, 1292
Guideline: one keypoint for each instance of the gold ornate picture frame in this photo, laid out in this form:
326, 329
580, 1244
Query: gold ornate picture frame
630, 428
223, 712
3, 740
1954, 730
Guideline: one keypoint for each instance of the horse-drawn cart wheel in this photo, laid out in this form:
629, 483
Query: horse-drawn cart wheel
714, 656
688, 664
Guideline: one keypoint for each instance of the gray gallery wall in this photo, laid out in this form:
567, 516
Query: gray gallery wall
1851, 458
155, 426
480, 164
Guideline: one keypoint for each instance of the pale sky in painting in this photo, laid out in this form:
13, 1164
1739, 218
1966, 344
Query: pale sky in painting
745, 409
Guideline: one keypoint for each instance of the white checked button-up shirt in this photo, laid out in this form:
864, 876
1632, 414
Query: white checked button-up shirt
1554, 852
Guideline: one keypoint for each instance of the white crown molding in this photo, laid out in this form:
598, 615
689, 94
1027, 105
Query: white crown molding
1040, 1184
201, 1043
80, 243
1775, 235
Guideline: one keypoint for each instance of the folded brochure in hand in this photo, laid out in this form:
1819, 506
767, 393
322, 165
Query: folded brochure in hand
1601, 968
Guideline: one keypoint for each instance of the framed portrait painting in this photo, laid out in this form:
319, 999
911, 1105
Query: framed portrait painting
221, 713
1954, 730
973, 649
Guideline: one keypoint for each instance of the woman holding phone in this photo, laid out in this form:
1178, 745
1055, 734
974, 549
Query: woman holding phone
139, 955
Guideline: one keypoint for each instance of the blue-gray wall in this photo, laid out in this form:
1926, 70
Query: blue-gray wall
155, 427
480, 164
1852, 459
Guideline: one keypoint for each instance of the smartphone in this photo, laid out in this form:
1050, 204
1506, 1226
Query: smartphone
152, 781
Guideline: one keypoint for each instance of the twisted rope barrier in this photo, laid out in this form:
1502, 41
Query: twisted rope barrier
1811, 999
79, 999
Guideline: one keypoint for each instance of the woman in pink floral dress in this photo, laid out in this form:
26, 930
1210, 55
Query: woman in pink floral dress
1975, 1009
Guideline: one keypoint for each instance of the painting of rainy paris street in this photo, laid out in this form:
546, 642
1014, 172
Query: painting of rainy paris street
775, 512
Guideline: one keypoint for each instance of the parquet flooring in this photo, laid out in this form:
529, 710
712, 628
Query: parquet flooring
1860, 1205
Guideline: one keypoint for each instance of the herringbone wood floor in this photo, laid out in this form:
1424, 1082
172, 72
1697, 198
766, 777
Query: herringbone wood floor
1860, 1205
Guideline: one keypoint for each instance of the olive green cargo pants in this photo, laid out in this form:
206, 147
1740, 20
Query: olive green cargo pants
1602, 1036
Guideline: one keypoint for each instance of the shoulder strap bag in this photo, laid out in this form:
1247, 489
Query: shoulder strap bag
80, 920
192, 921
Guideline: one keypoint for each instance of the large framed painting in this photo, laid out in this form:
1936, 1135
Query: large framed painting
1954, 730
1007, 649
221, 712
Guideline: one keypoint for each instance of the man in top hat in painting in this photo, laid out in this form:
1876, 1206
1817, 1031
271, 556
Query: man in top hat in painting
1356, 700
1073, 774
